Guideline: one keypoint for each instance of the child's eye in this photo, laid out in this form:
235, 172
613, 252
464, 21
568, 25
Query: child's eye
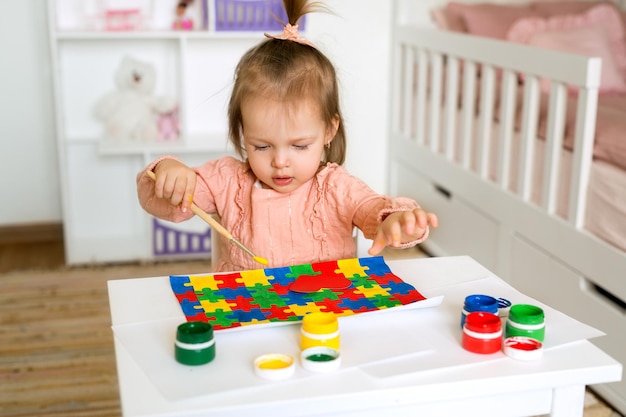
260, 147
301, 147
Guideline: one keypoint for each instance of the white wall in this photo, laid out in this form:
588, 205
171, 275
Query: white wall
356, 38
29, 180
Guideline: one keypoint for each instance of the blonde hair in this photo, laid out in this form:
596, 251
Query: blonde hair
287, 70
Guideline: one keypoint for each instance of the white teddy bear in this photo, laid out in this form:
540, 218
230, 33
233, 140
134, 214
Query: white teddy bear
132, 111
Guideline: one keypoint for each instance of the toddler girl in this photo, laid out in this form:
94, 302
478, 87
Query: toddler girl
288, 199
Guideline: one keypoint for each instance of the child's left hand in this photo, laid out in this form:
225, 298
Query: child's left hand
401, 227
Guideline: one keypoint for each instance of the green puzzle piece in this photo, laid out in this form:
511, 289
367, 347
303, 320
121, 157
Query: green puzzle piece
384, 301
207, 294
265, 298
298, 270
362, 281
323, 295
221, 318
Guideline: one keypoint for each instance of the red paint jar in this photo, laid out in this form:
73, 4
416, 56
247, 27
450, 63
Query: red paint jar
482, 333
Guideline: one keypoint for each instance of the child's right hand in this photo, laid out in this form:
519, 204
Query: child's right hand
175, 182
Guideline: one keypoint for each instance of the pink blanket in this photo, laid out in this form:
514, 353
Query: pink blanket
610, 138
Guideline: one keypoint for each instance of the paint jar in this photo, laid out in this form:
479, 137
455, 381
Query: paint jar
482, 332
319, 329
526, 320
522, 348
320, 359
194, 343
274, 366
478, 302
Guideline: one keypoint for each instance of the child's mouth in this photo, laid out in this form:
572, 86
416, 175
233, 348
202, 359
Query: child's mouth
282, 181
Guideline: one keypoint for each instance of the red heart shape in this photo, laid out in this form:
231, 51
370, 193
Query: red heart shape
314, 283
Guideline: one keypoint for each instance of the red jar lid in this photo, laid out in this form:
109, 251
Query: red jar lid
483, 322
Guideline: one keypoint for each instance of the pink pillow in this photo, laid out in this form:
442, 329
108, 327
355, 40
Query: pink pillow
591, 41
560, 8
438, 16
486, 19
453, 13
606, 26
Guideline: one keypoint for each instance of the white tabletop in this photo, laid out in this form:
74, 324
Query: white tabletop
441, 379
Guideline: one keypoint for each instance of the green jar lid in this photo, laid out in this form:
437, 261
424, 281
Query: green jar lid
526, 314
194, 332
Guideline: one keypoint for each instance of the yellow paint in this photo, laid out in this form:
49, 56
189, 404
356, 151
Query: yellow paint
260, 260
274, 362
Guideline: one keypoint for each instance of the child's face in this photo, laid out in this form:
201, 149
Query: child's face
284, 141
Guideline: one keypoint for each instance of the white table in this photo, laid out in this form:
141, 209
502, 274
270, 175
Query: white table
554, 385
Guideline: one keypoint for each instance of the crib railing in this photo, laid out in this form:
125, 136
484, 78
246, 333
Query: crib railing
450, 87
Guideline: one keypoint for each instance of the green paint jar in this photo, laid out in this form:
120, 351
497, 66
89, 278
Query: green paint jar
194, 343
526, 320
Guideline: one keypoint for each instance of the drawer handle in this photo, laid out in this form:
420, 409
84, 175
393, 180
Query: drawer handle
607, 295
441, 190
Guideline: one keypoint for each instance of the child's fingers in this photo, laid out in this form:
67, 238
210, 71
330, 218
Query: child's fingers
188, 196
433, 220
377, 246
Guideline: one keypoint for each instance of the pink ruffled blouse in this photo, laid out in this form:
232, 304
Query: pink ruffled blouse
314, 223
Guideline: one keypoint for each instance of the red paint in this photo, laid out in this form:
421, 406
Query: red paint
482, 333
523, 344
314, 283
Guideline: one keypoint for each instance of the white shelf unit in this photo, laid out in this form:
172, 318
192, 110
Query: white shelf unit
103, 221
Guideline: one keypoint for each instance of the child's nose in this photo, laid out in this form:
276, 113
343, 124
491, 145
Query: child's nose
280, 159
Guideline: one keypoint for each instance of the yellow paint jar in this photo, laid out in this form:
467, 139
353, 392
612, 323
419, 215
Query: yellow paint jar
319, 329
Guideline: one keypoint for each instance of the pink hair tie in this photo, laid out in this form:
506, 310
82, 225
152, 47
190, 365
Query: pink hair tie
290, 33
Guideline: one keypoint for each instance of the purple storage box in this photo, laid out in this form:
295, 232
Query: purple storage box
168, 241
251, 15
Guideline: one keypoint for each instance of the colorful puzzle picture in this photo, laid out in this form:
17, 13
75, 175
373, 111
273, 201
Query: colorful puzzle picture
344, 287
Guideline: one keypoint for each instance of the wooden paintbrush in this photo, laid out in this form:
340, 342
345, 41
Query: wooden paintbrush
218, 227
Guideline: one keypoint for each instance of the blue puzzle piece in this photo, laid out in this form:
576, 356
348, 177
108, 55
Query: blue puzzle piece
232, 293
191, 308
360, 304
247, 316
297, 298
401, 288
279, 276
376, 265
178, 284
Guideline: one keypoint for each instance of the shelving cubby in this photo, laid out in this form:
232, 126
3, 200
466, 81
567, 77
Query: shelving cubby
103, 221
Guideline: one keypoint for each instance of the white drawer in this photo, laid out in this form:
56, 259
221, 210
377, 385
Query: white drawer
543, 277
463, 230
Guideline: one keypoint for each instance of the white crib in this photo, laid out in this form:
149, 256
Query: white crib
480, 176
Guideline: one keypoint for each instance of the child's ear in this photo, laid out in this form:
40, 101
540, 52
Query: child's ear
332, 129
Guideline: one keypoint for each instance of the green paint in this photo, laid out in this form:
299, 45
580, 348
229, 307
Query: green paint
321, 357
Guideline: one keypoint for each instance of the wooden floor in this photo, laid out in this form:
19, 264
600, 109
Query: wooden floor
56, 344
